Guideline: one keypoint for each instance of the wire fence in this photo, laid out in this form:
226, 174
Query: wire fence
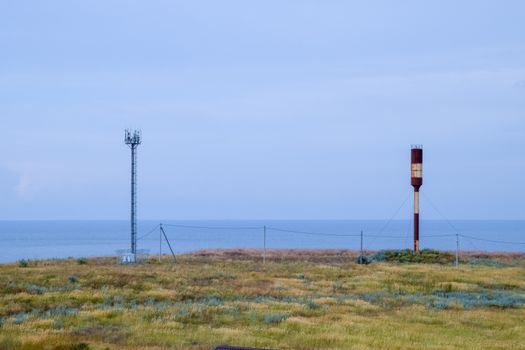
352, 240
361, 239
351, 237
186, 237
325, 234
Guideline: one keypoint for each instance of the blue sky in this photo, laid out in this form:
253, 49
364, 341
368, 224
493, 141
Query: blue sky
261, 109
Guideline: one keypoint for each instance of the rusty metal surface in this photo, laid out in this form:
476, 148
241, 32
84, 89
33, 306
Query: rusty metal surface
416, 168
417, 155
417, 182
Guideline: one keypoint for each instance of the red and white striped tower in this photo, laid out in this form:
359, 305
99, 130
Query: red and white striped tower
416, 177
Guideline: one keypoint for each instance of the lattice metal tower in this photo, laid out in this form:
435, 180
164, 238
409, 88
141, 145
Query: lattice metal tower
133, 139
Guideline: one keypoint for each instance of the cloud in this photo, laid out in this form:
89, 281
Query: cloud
23, 187
8, 182
32, 178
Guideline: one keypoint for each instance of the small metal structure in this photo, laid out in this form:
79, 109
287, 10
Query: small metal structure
133, 140
416, 179
126, 256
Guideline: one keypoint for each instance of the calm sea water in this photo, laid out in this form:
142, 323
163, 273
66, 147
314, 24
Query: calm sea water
58, 239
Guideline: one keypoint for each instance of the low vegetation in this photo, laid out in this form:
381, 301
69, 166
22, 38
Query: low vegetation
426, 256
297, 300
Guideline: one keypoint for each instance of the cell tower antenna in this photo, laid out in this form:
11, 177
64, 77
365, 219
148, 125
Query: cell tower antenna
133, 139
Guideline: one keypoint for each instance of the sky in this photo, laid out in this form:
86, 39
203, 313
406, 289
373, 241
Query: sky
262, 109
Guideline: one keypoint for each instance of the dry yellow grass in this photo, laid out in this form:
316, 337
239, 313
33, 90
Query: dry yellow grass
303, 300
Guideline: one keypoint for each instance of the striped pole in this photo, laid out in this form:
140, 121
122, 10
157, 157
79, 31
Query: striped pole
416, 179
416, 220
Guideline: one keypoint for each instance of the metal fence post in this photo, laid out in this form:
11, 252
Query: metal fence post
457, 249
264, 239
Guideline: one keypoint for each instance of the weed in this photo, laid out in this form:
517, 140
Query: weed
502, 299
338, 287
9, 343
80, 346
327, 300
233, 311
61, 311
363, 260
73, 279
310, 304
276, 317
82, 261
107, 333
57, 324
443, 299
486, 262
36, 289
150, 301
372, 297
20, 318
212, 300
427, 256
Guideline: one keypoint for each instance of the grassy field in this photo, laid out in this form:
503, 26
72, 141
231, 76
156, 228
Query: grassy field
297, 300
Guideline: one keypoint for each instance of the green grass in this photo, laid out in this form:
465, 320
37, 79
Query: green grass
298, 300
425, 256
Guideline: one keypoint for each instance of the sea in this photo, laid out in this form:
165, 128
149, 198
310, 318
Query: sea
61, 239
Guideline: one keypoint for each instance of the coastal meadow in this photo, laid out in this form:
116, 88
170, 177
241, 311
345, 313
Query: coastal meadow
298, 299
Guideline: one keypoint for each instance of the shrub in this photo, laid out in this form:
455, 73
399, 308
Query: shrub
119, 300
439, 304
503, 299
182, 313
276, 317
378, 256
23, 263
61, 311
212, 300
73, 279
426, 256
233, 311
36, 289
312, 305
20, 318
150, 301
82, 261
372, 297
363, 260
